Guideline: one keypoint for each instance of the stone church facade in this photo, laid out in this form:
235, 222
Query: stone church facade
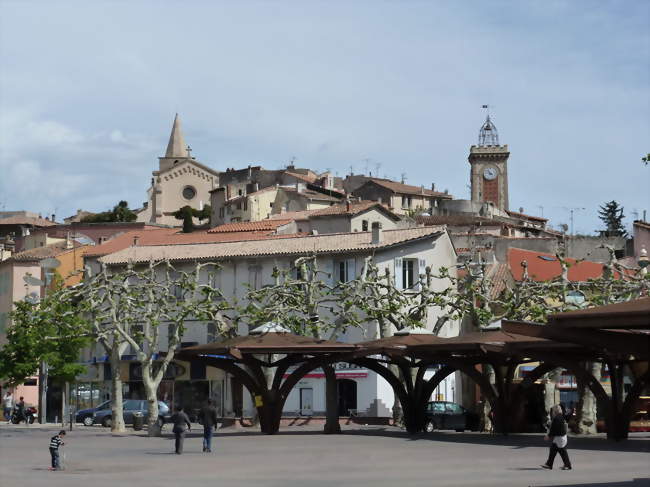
179, 181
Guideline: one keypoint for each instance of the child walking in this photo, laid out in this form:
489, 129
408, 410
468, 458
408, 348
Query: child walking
55, 442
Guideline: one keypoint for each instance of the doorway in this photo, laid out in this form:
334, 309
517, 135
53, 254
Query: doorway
347, 392
306, 401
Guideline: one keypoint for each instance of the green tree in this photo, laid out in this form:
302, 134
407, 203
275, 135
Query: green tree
305, 300
50, 330
119, 213
611, 214
187, 214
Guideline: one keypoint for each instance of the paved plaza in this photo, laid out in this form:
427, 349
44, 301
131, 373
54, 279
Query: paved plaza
301, 456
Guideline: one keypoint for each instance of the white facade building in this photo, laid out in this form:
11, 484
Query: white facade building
405, 252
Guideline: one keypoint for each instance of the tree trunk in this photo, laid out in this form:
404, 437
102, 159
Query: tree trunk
587, 405
332, 425
398, 412
117, 403
151, 393
550, 387
485, 408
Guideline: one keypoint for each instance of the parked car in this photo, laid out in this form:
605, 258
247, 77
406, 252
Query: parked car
85, 416
131, 406
442, 415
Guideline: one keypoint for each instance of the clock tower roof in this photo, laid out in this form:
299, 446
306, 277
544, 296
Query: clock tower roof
488, 135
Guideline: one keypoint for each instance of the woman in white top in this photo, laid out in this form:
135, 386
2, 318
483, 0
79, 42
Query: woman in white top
557, 435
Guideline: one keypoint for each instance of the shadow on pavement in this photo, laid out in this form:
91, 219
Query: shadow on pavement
517, 441
644, 482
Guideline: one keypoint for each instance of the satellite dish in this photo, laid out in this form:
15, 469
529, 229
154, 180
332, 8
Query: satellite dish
33, 281
50, 263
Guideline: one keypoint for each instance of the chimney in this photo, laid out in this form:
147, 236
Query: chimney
136, 240
521, 209
376, 233
53, 216
422, 189
433, 186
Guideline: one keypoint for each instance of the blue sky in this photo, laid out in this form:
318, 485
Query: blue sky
88, 91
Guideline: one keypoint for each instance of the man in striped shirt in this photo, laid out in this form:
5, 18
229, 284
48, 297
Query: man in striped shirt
55, 442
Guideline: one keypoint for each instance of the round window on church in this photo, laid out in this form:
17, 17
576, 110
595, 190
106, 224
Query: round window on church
189, 192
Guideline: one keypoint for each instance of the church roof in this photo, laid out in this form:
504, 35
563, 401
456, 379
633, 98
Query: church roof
176, 146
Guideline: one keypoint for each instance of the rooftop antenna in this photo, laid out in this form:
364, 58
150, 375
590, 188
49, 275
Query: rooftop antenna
377, 167
292, 160
403, 175
351, 170
571, 211
367, 161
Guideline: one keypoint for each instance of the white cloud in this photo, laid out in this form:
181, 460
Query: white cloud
332, 84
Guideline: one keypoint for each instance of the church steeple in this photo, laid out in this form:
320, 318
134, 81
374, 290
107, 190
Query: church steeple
176, 146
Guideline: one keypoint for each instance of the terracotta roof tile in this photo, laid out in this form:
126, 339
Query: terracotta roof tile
171, 236
396, 187
526, 217
272, 245
40, 253
261, 225
293, 215
353, 209
543, 266
26, 220
457, 220
302, 177
312, 195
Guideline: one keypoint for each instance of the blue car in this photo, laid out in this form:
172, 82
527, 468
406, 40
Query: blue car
85, 416
104, 416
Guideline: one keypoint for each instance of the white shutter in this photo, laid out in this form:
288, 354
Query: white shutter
351, 269
329, 267
398, 273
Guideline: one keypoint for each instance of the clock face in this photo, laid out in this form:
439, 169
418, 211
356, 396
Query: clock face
490, 173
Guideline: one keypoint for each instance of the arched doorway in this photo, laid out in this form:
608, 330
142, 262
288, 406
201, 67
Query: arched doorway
347, 392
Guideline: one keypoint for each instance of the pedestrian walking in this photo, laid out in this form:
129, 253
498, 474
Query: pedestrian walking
180, 420
557, 435
208, 417
55, 442
20, 411
7, 405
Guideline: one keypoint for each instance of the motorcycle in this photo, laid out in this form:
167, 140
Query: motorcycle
29, 415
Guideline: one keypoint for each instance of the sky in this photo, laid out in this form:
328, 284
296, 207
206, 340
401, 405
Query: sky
88, 93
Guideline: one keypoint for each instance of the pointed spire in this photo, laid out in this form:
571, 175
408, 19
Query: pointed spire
176, 146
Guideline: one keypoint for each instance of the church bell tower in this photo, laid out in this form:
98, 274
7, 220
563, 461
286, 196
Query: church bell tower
489, 167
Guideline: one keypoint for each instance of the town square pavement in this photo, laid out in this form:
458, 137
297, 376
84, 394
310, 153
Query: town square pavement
302, 457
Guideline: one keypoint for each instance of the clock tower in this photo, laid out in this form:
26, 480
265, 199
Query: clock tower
489, 168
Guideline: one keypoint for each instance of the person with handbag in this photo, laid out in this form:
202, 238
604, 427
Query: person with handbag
557, 435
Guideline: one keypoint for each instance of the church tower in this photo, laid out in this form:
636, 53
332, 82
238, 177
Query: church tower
177, 149
489, 168
180, 181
